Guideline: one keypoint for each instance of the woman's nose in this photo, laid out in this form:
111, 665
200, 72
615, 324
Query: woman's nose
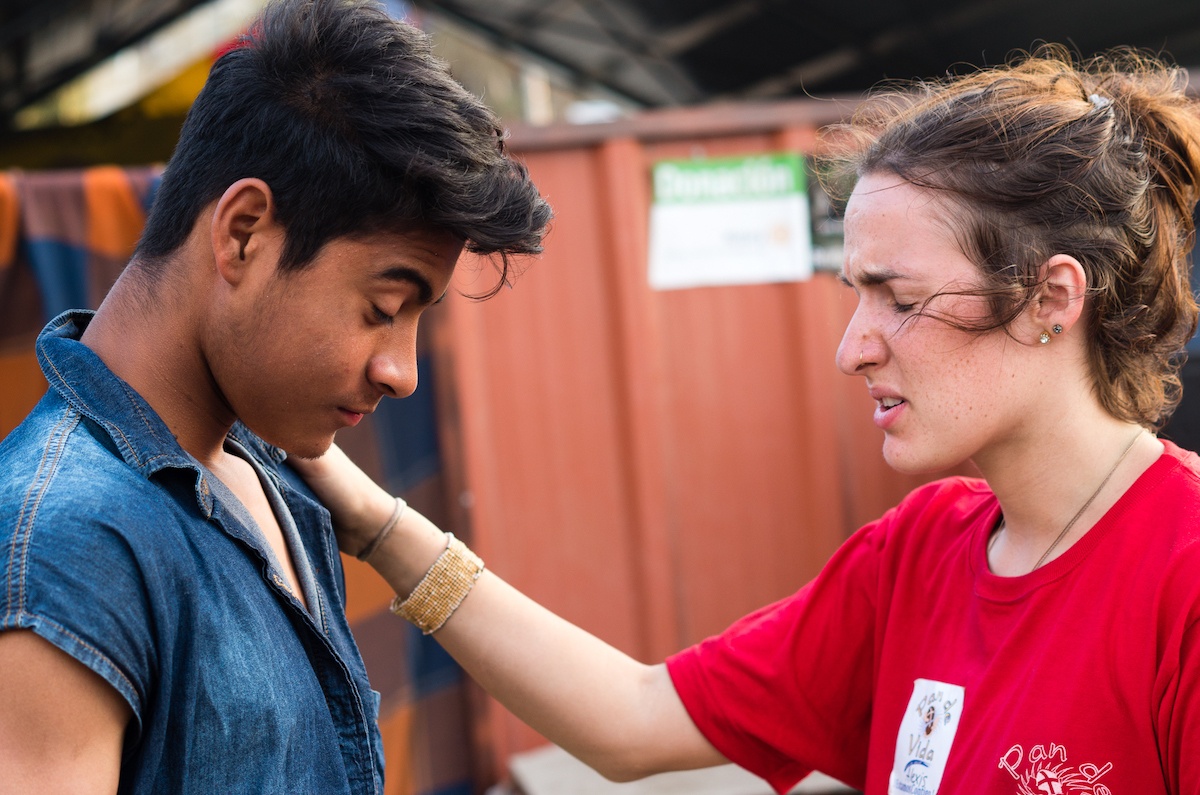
855, 351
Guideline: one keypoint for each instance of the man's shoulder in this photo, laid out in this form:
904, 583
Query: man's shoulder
56, 439
60, 471
83, 537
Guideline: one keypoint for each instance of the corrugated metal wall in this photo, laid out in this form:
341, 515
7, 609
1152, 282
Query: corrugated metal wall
654, 464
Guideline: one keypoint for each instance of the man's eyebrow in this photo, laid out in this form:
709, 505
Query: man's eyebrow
413, 276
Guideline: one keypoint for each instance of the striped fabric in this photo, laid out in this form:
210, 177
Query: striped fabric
64, 237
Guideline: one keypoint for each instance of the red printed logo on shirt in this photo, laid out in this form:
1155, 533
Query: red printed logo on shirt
1044, 770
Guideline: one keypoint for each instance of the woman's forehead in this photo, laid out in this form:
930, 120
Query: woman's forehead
884, 192
895, 229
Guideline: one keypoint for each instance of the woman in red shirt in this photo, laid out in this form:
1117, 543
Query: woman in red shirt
1018, 242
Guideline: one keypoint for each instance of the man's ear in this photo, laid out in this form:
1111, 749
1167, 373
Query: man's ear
1059, 304
244, 229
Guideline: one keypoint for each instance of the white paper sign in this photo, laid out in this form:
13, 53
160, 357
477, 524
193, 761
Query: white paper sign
925, 738
730, 221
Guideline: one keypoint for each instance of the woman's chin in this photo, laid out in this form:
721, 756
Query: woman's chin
907, 460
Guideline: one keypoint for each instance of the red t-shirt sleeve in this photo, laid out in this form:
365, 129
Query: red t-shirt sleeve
788, 689
1178, 687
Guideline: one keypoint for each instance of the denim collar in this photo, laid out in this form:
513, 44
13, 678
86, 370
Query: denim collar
137, 432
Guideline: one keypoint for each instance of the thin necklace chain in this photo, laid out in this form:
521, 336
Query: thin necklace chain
1058, 539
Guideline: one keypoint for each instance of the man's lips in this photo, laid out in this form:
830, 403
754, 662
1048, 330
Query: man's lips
353, 417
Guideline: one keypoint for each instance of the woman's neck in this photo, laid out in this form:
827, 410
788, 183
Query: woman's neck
1055, 482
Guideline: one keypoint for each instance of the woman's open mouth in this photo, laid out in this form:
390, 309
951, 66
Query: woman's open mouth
888, 410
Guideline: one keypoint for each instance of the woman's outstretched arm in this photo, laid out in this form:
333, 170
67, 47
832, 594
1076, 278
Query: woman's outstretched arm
617, 715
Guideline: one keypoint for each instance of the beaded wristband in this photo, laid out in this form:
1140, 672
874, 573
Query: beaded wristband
442, 589
377, 541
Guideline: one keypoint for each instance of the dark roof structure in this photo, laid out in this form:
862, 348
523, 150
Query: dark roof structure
46, 43
682, 52
667, 52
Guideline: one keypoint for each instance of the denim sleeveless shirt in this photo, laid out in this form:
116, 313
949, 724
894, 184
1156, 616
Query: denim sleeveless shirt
121, 550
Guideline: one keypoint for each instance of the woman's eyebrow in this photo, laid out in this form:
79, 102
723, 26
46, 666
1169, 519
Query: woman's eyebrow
871, 278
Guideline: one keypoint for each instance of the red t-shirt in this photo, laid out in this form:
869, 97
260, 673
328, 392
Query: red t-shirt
907, 667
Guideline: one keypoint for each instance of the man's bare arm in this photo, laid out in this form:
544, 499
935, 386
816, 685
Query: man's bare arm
61, 724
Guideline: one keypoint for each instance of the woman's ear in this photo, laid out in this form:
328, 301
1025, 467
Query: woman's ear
1058, 306
244, 230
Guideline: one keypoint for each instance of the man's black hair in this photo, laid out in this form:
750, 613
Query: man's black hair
357, 128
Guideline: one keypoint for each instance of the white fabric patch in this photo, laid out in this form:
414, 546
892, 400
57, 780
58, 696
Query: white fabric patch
925, 737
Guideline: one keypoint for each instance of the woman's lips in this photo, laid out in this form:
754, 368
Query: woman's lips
888, 411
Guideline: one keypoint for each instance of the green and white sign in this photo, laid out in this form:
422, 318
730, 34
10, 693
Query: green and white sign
738, 220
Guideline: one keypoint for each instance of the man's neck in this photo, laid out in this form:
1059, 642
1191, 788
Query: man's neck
152, 342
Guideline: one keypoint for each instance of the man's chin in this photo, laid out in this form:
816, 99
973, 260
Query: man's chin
308, 451
307, 448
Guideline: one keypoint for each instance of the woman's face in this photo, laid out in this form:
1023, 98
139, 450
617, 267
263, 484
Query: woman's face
942, 395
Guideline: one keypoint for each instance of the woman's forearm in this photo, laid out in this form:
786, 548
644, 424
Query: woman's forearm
615, 713
618, 715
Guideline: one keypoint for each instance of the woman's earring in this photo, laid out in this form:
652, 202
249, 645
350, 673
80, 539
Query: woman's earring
1044, 337
1056, 328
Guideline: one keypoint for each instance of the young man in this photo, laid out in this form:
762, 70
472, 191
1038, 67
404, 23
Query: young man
171, 606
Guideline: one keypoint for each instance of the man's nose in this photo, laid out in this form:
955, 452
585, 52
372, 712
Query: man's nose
394, 370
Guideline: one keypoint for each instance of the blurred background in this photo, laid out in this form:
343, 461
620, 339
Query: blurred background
648, 433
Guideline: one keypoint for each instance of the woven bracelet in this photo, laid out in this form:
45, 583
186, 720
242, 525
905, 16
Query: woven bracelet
442, 589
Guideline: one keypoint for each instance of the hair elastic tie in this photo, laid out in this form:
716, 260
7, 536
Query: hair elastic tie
377, 541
